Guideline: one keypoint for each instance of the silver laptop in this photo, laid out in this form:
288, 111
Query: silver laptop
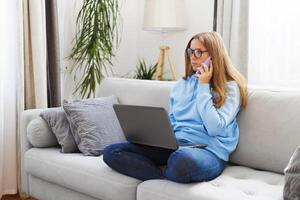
148, 126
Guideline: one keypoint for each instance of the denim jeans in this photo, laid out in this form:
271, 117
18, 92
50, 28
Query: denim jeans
184, 165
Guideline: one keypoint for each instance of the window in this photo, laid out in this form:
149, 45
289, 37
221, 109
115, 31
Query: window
274, 43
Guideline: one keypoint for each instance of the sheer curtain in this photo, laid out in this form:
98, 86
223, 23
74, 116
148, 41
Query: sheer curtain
35, 58
232, 24
274, 44
9, 80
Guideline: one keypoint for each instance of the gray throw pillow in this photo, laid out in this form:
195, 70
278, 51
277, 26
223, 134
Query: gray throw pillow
292, 177
39, 134
59, 124
94, 124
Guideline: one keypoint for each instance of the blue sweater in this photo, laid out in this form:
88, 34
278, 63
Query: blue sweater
195, 119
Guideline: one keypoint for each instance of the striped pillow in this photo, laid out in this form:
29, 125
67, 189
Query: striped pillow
292, 177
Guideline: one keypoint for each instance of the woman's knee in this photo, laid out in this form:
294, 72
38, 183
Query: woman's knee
111, 151
179, 166
193, 165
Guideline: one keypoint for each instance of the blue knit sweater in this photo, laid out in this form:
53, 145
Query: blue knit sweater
195, 119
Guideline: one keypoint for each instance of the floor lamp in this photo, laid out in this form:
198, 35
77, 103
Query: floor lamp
164, 16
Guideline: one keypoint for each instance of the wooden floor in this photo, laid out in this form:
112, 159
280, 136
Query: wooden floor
15, 197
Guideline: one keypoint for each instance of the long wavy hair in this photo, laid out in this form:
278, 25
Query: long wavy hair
223, 69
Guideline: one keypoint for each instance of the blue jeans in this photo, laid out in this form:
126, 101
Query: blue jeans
184, 165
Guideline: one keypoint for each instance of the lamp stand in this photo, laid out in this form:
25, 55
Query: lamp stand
160, 66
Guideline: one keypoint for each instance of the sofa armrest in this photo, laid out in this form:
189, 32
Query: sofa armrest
26, 117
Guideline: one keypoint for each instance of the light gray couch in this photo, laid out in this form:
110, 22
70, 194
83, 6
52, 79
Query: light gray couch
269, 134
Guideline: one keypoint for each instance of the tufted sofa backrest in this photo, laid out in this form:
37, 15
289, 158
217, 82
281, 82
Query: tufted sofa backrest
269, 129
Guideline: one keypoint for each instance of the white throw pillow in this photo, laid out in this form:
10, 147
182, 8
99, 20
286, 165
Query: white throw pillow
39, 134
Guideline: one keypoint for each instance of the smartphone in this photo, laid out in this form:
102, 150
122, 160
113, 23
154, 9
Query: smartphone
207, 62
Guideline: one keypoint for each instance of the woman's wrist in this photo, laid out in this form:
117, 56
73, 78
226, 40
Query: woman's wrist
201, 81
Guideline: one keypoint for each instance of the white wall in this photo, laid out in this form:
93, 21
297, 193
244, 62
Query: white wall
67, 14
136, 43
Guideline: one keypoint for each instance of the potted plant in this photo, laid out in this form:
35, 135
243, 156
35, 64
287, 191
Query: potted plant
96, 39
144, 72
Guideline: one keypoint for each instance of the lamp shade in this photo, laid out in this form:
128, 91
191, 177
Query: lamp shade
164, 15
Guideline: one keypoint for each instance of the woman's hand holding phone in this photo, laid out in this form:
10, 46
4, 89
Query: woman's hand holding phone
204, 71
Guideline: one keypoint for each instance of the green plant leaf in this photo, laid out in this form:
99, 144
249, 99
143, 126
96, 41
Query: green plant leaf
144, 72
96, 39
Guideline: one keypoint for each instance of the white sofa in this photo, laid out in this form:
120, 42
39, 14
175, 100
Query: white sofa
269, 134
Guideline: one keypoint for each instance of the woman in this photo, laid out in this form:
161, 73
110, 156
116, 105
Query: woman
203, 109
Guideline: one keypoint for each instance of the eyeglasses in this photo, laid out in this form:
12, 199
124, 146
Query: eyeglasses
197, 52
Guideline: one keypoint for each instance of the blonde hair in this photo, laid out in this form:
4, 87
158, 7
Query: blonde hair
223, 69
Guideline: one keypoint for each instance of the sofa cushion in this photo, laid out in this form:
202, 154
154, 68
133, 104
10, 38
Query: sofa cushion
94, 124
269, 130
58, 122
88, 175
39, 134
234, 183
52, 191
